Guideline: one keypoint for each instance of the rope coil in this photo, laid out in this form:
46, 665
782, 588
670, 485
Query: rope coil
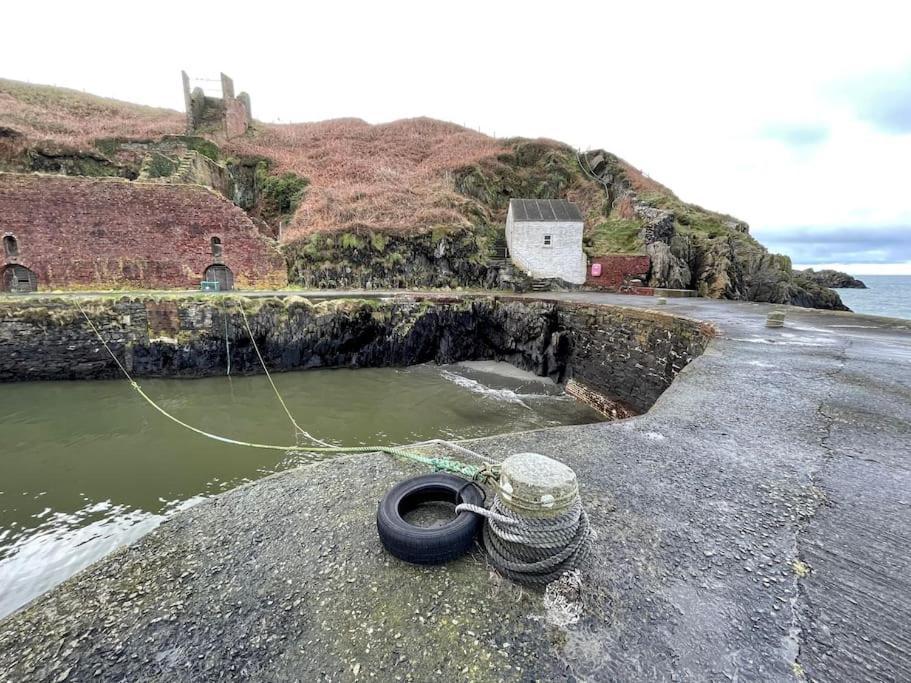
534, 550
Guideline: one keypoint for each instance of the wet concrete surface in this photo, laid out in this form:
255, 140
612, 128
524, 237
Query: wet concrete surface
753, 525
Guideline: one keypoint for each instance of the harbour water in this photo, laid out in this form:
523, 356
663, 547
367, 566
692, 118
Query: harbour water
888, 295
88, 466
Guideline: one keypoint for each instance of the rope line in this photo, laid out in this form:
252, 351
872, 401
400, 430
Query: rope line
444, 464
224, 317
300, 430
534, 550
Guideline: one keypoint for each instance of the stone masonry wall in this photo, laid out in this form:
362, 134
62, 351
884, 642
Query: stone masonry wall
630, 355
111, 233
627, 356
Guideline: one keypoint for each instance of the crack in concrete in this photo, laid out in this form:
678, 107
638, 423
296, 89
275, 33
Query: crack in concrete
798, 602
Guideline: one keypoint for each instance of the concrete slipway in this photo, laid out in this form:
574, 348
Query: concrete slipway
754, 525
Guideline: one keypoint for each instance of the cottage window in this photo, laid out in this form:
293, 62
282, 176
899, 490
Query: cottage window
216, 247
547, 240
10, 246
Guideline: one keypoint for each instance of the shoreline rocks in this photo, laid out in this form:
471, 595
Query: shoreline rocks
834, 279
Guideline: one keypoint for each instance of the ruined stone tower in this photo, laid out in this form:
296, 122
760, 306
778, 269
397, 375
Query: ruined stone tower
228, 114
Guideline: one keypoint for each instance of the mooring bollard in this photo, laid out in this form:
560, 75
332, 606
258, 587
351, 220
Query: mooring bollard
775, 319
661, 300
536, 529
532, 484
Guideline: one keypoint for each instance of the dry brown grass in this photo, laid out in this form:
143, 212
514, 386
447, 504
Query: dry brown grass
392, 177
623, 208
640, 182
70, 117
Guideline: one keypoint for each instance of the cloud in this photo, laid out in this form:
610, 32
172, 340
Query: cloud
796, 134
841, 245
881, 99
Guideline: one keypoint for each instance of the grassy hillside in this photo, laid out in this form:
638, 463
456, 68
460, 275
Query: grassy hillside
416, 202
77, 119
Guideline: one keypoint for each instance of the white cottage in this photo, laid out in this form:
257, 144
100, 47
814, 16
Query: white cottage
544, 237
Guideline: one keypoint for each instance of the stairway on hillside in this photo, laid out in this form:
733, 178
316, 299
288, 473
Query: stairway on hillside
499, 257
500, 248
185, 172
540, 285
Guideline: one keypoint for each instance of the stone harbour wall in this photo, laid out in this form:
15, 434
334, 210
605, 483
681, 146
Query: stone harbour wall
628, 356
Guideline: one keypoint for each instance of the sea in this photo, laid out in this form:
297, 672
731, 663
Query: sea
888, 295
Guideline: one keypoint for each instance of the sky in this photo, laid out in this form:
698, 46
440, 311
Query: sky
793, 116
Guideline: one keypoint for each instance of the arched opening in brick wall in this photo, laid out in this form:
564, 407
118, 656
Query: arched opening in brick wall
220, 274
18, 279
216, 247
10, 246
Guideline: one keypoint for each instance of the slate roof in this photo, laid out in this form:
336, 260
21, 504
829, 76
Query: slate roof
551, 210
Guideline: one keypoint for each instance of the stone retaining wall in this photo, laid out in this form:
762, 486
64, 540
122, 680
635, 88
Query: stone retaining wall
627, 355
630, 355
617, 269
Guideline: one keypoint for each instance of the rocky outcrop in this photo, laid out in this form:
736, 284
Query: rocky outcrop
667, 269
830, 278
692, 248
378, 261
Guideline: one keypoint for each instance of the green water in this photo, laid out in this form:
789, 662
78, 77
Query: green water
86, 467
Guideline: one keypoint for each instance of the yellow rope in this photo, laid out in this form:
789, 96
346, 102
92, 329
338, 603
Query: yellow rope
300, 430
470, 471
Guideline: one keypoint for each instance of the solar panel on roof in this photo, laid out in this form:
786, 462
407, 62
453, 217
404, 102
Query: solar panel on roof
547, 210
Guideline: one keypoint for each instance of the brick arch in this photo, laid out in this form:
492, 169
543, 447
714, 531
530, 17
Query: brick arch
220, 273
10, 246
17, 278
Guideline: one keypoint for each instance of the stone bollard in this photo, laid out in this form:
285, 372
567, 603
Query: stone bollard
775, 319
661, 300
534, 485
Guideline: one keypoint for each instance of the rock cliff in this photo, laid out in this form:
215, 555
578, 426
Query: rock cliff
693, 248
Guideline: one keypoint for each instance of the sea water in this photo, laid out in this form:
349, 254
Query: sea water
888, 295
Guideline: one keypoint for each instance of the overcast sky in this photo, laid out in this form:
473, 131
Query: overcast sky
794, 116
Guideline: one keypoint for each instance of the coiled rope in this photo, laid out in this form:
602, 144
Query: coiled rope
534, 550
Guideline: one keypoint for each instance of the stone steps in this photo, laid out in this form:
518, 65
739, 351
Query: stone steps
501, 248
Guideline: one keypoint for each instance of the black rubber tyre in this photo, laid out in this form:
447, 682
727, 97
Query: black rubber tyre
420, 545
